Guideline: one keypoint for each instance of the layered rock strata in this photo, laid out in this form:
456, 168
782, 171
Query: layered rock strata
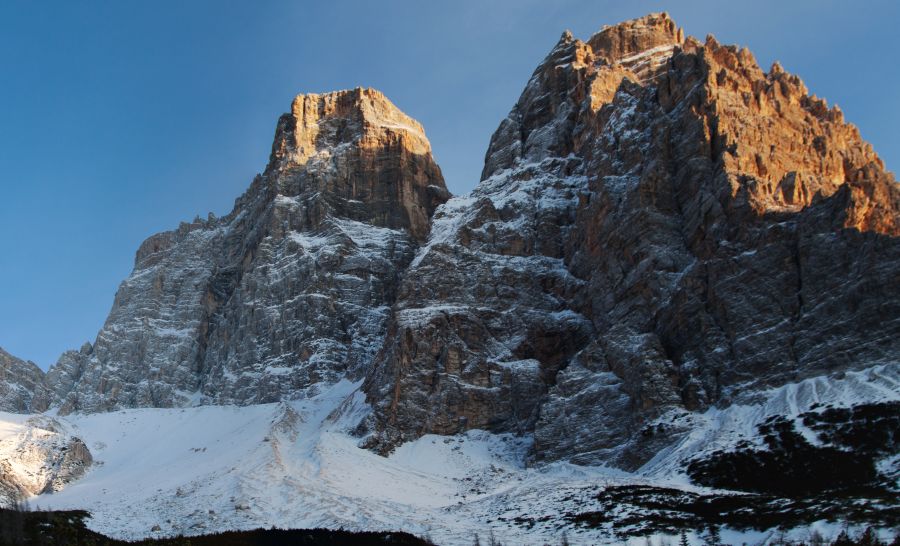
19, 380
661, 226
288, 293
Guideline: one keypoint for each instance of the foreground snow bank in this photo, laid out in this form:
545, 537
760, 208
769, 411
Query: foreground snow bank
294, 465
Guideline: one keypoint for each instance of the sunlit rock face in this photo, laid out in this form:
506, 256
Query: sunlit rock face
661, 226
288, 293
38, 455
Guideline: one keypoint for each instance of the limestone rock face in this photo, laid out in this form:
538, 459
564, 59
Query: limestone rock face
661, 226
41, 457
19, 380
288, 293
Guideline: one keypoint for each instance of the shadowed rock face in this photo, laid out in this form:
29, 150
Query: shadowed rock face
288, 293
661, 226
19, 380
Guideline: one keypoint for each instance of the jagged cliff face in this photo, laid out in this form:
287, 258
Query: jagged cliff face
287, 294
661, 226
19, 380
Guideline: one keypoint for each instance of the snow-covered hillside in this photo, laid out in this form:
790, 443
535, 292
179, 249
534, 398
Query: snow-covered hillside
194, 470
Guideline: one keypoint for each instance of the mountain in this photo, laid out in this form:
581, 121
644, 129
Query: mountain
19, 380
678, 274
288, 293
661, 227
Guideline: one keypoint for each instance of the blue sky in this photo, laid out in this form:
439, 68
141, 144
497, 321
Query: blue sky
120, 119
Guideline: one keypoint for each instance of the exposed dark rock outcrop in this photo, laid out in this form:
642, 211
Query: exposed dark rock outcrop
661, 226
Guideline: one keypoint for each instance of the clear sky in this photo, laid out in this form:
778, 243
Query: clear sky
120, 119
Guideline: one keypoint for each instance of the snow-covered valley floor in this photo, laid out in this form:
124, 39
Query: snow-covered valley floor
294, 465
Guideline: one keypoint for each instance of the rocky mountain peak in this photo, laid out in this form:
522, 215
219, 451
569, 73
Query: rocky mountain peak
319, 123
657, 231
541, 123
364, 158
629, 42
784, 148
289, 292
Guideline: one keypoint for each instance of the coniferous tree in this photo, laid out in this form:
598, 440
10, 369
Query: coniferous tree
869, 538
713, 538
816, 538
843, 539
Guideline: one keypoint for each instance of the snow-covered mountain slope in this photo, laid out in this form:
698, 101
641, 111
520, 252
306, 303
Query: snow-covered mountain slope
296, 464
